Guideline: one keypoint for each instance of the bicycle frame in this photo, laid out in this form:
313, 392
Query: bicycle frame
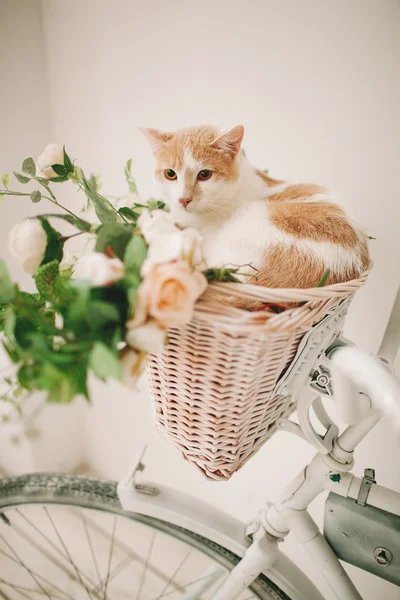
364, 386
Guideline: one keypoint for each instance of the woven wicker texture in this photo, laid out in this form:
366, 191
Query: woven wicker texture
214, 386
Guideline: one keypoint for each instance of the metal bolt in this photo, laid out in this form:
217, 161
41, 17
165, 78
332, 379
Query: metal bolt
383, 556
323, 380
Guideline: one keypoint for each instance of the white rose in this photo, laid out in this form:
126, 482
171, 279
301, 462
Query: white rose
99, 269
156, 223
192, 247
27, 243
148, 338
53, 155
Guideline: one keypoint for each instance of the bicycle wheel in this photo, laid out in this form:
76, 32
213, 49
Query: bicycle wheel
66, 537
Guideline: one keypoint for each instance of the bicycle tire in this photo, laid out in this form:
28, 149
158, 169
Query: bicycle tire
98, 494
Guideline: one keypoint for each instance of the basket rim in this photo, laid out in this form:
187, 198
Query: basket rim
262, 293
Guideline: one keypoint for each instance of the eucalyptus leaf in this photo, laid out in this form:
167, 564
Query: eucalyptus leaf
129, 177
36, 196
5, 179
135, 254
104, 363
104, 211
21, 178
29, 167
79, 223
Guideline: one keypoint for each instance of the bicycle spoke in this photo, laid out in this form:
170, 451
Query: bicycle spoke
132, 555
19, 588
55, 547
142, 579
24, 566
92, 552
27, 538
110, 557
3, 595
175, 573
67, 552
30, 571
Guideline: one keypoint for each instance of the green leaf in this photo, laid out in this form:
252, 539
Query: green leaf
57, 179
101, 313
60, 170
60, 387
80, 224
129, 177
54, 249
266, 171
7, 288
76, 318
67, 162
135, 254
104, 211
29, 167
2, 196
104, 363
128, 213
324, 278
5, 179
21, 178
115, 236
10, 321
48, 281
36, 196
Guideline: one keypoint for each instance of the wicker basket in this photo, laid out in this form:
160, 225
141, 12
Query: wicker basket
216, 388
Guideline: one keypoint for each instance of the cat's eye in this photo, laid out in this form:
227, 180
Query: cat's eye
204, 174
170, 174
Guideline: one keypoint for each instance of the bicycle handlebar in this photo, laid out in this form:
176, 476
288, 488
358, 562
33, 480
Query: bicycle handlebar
360, 380
391, 338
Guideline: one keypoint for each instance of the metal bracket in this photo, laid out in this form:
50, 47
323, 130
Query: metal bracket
137, 467
367, 481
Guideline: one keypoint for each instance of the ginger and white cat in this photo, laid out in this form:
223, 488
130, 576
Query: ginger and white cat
290, 232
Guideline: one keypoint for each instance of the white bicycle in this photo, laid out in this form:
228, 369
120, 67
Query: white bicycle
71, 537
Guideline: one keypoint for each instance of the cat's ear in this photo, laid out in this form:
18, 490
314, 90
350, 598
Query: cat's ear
156, 138
230, 140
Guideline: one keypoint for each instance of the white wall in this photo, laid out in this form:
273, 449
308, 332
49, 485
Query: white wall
25, 126
315, 84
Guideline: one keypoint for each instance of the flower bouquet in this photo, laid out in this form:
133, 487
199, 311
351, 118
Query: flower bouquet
106, 310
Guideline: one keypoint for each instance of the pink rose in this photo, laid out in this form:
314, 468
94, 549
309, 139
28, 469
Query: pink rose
168, 294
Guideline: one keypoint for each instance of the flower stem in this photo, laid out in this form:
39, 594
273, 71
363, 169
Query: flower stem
51, 199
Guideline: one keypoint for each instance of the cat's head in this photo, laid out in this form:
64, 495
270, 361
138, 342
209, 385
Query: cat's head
197, 168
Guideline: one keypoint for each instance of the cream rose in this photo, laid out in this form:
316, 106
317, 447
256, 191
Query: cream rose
168, 293
27, 243
149, 338
53, 155
99, 269
130, 363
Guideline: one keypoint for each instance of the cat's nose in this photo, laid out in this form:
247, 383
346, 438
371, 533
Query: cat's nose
185, 201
